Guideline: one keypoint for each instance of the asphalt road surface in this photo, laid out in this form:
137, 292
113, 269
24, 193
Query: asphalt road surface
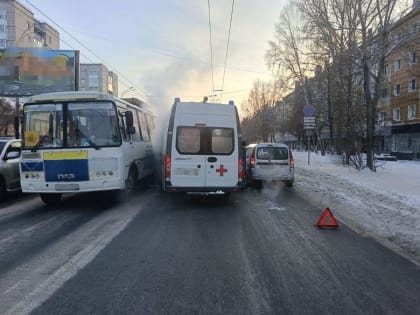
256, 252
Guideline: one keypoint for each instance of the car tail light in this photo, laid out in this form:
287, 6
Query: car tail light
292, 160
168, 168
252, 159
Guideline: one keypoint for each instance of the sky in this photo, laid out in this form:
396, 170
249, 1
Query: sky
162, 47
384, 205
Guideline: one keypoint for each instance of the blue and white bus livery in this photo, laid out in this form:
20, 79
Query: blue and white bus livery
84, 142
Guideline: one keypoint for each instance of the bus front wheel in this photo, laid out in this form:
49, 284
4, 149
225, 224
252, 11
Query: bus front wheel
51, 199
130, 182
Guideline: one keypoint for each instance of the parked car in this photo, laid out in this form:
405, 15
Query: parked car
386, 157
269, 162
10, 150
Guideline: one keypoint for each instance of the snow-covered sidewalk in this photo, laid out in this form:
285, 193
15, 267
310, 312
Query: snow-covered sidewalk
384, 205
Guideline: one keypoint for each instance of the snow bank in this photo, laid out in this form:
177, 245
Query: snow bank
384, 204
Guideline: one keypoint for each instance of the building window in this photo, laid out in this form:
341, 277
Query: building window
411, 111
3, 29
381, 117
93, 80
3, 14
412, 57
397, 64
412, 85
396, 114
386, 70
384, 93
3, 43
397, 88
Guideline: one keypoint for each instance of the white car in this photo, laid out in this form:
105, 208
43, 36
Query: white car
270, 162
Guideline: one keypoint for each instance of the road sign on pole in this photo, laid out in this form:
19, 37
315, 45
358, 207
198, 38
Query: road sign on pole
309, 110
309, 122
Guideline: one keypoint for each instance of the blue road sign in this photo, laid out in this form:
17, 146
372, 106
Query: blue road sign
309, 110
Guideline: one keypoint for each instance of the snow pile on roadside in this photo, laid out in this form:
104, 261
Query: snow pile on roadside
384, 205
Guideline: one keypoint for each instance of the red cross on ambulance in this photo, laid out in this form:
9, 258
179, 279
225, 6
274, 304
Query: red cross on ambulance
221, 170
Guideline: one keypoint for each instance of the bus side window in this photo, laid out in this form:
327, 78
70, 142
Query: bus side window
144, 127
122, 126
136, 136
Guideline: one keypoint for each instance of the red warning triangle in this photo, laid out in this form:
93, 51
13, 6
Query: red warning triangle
327, 219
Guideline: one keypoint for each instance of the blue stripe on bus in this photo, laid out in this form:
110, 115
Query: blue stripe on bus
32, 166
66, 170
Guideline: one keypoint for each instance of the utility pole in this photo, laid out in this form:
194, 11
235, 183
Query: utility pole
17, 118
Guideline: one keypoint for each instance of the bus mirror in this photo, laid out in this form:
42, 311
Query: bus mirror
129, 120
131, 130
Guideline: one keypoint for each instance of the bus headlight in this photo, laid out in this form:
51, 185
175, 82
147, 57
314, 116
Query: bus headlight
33, 176
103, 168
102, 174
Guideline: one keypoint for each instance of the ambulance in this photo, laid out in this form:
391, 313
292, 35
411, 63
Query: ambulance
201, 149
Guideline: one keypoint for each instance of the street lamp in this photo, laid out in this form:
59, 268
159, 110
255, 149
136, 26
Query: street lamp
130, 89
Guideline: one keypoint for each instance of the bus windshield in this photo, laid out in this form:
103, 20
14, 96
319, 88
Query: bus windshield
71, 125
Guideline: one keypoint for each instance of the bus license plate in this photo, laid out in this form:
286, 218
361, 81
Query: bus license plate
62, 187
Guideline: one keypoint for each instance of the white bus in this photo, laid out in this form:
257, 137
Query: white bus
201, 149
84, 142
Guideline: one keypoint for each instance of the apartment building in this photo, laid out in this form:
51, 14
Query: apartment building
20, 28
398, 127
97, 77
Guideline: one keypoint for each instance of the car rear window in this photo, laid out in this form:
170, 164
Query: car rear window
272, 153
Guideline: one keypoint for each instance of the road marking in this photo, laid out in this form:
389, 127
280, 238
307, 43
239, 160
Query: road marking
97, 233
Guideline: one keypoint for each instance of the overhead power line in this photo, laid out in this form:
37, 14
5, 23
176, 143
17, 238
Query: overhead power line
227, 47
211, 48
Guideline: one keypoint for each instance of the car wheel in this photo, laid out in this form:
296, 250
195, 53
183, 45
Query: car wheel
51, 199
3, 192
289, 183
258, 184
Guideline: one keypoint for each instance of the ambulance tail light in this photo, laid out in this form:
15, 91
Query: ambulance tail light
240, 169
167, 168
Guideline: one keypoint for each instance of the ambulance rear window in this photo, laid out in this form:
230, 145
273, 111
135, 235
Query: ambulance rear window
188, 140
221, 141
205, 140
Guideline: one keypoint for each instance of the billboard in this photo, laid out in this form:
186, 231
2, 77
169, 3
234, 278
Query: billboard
29, 71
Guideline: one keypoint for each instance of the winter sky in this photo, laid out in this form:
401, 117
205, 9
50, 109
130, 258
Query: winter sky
162, 47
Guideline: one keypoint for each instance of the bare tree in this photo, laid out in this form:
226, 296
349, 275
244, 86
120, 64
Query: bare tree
375, 20
259, 110
288, 53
